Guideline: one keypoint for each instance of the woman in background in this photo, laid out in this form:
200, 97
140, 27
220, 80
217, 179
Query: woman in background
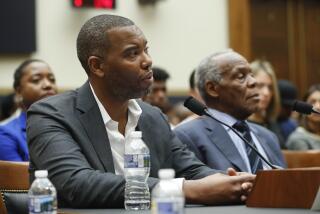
307, 135
33, 80
269, 105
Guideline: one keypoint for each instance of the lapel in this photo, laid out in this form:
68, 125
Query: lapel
144, 126
263, 142
92, 122
218, 136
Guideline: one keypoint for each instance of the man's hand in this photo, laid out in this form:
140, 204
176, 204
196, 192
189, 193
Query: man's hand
219, 188
232, 172
247, 186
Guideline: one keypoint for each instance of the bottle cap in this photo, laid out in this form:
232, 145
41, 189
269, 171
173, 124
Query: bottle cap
166, 173
136, 134
41, 173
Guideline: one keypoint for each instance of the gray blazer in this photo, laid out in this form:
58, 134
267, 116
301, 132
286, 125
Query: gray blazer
213, 146
66, 136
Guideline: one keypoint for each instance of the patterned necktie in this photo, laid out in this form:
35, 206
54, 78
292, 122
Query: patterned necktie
254, 159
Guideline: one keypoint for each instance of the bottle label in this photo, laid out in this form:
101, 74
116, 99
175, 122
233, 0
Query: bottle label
168, 205
167, 208
136, 160
41, 203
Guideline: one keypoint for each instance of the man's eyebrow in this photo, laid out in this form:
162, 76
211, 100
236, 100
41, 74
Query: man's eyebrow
36, 74
132, 45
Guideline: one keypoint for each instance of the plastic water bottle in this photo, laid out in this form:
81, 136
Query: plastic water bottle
42, 195
136, 172
167, 198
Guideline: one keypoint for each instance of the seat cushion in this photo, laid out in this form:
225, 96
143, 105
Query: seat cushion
16, 201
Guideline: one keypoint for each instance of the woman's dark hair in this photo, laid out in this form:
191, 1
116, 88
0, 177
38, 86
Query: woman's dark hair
7, 106
311, 90
19, 71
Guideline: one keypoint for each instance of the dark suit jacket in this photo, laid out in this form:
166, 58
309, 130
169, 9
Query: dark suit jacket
66, 136
213, 146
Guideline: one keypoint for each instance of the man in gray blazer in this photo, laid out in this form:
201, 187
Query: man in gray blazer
79, 136
228, 88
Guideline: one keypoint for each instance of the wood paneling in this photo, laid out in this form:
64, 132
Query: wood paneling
284, 32
311, 32
239, 26
269, 34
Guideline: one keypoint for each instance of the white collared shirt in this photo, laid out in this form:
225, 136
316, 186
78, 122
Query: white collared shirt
238, 142
117, 140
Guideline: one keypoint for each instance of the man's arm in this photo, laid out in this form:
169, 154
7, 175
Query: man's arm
53, 146
185, 138
182, 160
219, 188
211, 187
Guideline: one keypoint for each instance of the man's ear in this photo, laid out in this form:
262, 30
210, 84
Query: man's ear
95, 65
211, 89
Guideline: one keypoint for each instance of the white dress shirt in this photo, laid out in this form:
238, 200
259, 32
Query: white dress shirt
117, 140
238, 142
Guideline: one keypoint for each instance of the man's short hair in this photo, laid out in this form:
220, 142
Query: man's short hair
191, 79
208, 70
160, 74
93, 38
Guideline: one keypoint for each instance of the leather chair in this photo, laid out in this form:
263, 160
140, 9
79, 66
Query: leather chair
300, 159
14, 185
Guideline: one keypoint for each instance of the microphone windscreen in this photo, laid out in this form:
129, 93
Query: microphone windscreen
195, 106
302, 107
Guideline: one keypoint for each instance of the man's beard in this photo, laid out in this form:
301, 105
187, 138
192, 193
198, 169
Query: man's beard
127, 94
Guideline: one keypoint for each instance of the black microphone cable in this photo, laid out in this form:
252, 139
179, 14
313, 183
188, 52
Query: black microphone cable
198, 108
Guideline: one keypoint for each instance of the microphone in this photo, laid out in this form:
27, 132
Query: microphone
195, 106
303, 108
200, 109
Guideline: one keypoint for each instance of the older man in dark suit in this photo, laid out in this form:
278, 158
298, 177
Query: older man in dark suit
228, 88
79, 136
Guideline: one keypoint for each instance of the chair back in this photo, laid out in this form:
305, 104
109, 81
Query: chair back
14, 185
300, 159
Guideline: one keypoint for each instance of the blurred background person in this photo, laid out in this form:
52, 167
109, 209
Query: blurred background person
33, 80
158, 92
178, 113
269, 105
307, 135
194, 92
8, 106
288, 94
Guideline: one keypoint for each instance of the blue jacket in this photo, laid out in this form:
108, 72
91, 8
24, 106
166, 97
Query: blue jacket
13, 143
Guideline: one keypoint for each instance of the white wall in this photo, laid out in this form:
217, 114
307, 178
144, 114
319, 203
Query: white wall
180, 33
